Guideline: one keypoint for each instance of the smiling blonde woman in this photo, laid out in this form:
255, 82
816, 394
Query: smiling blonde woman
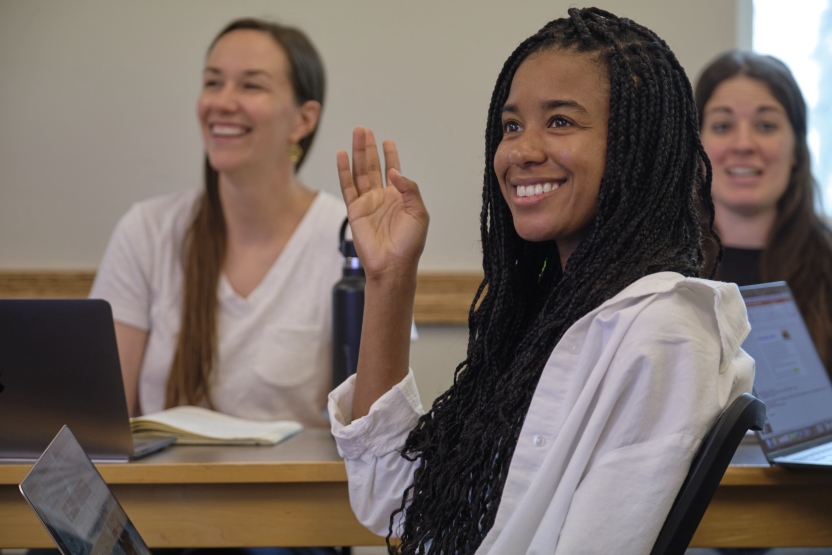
222, 296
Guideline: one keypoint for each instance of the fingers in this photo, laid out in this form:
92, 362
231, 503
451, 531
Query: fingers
391, 157
411, 196
359, 160
366, 165
348, 190
373, 163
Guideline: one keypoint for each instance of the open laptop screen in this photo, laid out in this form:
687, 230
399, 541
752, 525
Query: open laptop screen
75, 505
790, 378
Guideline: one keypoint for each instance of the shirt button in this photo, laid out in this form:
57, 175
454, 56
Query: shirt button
537, 441
573, 349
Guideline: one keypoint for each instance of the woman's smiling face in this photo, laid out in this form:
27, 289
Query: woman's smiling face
750, 142
247, 109
551, 158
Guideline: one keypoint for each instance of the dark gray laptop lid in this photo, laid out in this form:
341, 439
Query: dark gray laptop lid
59, 365
790, 377
75, 505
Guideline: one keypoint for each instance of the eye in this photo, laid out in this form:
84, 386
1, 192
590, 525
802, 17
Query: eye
767, 126
252, 86
720, 127
211, 84
559, 121
511, 126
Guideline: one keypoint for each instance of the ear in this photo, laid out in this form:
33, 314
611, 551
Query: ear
307, 120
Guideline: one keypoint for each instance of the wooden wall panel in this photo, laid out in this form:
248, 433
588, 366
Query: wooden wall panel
45, 284
441, 298
444, 298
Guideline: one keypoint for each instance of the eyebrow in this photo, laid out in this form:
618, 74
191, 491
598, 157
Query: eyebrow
549, 105
247, 73
771, 109
761, 109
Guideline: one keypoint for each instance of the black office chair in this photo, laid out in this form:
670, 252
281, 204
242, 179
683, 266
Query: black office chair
746, 412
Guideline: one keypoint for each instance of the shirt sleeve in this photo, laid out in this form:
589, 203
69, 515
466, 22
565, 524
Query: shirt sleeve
123, 277
371, 447
669, 396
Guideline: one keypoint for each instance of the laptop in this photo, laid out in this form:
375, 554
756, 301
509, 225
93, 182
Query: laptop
59, 366
790, 379
75, 505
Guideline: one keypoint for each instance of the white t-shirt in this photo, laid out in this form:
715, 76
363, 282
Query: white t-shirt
620, 410
274, 353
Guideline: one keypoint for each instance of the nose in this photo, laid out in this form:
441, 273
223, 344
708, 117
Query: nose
225, 100
744, 140
527, 149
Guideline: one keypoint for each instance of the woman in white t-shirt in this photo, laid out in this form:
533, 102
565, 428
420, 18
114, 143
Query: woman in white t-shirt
222, 296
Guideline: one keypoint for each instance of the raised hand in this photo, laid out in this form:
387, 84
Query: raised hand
389, 224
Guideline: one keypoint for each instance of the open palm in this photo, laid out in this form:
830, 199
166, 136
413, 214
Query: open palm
389, 224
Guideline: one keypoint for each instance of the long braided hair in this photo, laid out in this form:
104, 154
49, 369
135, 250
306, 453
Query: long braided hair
646, 222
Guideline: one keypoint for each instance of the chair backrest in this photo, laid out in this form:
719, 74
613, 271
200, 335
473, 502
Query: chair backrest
706, 471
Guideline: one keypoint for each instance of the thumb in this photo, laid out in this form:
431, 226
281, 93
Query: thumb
411, 196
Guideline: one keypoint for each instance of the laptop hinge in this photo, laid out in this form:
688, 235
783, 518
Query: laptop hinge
796, 448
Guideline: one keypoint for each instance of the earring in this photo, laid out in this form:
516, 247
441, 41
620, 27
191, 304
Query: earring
295, 153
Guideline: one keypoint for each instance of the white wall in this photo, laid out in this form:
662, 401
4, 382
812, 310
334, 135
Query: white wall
97, 102
97, 110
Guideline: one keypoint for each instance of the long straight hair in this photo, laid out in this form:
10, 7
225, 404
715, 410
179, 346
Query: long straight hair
799, 247
205, 241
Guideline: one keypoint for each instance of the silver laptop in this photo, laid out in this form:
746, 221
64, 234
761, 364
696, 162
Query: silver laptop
790, 379
75, 505
59, 366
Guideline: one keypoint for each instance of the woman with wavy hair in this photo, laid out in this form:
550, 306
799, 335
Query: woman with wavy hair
222, 295
753, 120
597, 359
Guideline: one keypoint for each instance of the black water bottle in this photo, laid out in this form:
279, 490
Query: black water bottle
347, 313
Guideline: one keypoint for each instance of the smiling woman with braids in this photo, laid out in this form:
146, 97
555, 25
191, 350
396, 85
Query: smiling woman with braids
597, 360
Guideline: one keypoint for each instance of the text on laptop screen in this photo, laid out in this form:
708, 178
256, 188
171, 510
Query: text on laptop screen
790, 378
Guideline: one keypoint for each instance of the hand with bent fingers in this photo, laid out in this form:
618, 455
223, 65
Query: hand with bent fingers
389, 224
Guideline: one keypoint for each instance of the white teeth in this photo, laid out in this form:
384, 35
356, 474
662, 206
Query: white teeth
533, 190
227, 130
743, 171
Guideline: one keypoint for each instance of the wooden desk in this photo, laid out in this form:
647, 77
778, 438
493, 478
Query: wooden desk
296, 494
292, 494
758, 505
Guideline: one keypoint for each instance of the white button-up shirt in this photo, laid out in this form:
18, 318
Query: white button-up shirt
621, 408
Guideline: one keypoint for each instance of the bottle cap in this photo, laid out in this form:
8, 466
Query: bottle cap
347, 246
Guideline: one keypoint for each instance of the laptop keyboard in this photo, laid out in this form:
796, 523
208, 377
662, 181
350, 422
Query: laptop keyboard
822, 454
